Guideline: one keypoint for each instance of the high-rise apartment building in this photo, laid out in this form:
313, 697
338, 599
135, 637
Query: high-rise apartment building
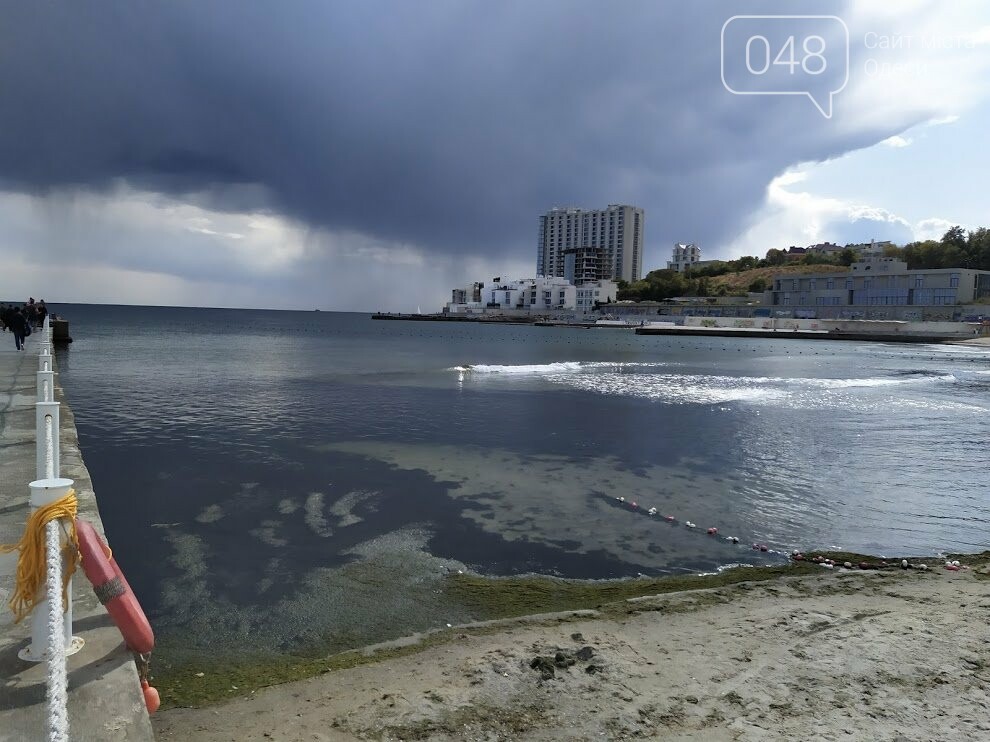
585, 246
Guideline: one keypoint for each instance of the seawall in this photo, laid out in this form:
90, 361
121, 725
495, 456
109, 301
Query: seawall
105, 701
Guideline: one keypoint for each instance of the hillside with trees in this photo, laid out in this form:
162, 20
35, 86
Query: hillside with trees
956, 249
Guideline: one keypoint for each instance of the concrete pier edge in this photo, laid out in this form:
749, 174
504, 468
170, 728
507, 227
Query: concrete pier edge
105, 700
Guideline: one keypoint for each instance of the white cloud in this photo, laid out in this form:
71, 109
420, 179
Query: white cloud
896, 141
932, 229
943, 120
800, 218
913, 61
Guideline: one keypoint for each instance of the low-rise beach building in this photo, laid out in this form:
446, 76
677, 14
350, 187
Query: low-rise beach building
879, 288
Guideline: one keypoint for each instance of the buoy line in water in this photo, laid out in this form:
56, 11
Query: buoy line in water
795, 555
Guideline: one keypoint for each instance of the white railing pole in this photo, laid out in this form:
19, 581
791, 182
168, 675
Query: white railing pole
47, 458
51, 628
45, 358
46, 386
44, 492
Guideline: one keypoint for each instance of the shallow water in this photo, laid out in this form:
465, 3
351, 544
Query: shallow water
278, 478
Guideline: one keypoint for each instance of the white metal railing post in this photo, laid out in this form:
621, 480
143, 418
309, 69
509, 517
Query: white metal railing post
44, 492
45, 358
47, 450
46, 386
51, 627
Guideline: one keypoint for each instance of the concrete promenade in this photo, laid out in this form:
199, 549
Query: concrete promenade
105, 701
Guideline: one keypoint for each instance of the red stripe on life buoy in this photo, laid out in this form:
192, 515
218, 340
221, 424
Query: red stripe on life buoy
112, 589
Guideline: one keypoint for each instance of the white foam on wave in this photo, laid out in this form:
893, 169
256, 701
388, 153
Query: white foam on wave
613, 378
674, 388
776, 391
559, 367
530, 369
874, 381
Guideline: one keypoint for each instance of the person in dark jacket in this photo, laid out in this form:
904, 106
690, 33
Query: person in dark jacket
18, 325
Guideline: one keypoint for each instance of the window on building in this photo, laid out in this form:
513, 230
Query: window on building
919, 282
954, 280
830, 283
849, 283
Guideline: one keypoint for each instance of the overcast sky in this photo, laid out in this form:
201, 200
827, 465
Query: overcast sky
372, 155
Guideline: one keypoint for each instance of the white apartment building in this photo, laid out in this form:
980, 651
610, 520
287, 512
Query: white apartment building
684, 256
588, 246
587, 295
541, 295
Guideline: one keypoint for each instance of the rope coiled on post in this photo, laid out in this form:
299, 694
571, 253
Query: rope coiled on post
31, 569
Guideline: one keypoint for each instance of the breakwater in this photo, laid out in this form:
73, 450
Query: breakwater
730, 332
483, 319
104, 698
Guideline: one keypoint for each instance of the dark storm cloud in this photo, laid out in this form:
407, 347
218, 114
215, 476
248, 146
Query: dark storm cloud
448, 125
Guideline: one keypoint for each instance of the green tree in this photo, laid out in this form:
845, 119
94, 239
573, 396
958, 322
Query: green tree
758, 285
776, 257
847, 256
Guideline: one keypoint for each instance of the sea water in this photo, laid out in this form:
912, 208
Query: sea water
284, 479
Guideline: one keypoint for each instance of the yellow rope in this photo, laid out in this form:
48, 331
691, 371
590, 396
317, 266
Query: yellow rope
31, 559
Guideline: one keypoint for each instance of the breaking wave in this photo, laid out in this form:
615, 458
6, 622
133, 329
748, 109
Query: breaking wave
543, 369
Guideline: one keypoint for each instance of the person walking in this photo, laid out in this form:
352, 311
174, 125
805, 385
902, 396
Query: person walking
18, 325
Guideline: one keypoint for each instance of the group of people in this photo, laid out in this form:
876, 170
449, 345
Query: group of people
20, 320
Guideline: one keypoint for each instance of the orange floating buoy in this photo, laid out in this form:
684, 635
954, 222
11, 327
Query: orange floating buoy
952, 567
764, 547
669, 518
151, 698
112, 589
712, 531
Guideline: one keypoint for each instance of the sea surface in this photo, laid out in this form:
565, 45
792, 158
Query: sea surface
286, 480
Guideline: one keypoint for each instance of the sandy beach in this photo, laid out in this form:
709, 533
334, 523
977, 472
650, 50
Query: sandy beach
844, 655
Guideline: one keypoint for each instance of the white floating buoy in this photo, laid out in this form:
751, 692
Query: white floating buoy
689, 524
904, 563
847, 565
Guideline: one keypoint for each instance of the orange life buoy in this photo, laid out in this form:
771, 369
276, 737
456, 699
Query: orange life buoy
113, 591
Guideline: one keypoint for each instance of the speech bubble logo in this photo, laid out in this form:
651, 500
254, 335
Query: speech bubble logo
786, 55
